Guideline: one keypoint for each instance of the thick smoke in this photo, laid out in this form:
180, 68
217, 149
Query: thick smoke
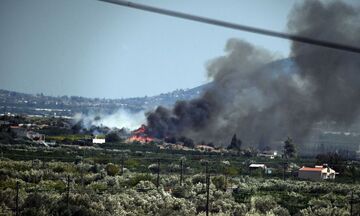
334, 75
263, 102
119, 119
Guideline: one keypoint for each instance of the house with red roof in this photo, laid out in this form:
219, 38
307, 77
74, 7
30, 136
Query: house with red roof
317, 173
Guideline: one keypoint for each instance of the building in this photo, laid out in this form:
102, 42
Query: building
34, 136
257, 166
205, 148
269, 154
4, 123
98, 141
19, 131
262, 167
317, 173
358, 153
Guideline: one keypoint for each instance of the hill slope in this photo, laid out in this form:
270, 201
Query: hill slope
39, 104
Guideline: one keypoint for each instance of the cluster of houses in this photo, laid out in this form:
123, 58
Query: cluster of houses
26, 131
29, 131
319, 172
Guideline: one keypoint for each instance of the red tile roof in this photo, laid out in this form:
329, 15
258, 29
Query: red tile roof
317, 169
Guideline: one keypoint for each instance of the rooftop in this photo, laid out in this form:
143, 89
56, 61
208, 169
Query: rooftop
316, 169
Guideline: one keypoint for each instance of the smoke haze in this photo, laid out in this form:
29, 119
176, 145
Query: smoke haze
262, 102
334, 75
119, 119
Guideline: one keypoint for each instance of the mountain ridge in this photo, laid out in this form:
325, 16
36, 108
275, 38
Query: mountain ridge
39, 104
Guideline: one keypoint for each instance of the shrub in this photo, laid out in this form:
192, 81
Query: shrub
198, 178
153, 168
140, 177
263, 204
112, 169
219, 182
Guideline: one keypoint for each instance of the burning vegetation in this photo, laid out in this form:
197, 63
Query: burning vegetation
140, 135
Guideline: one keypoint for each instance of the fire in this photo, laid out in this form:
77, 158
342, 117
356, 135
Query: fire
140, 139
140, 135
140, 130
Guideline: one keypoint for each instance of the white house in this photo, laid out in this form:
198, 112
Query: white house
257, 166
98, 141
263, 167
317, 173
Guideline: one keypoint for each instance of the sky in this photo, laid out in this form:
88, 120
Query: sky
96, 49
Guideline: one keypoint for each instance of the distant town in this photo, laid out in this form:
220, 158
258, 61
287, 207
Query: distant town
68, 106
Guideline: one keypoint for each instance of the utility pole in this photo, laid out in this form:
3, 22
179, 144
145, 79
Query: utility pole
17, 199
82, 177
353, 169
226, 181
284, 170
122, 166
5, 115
158, 174
43, 163
68, 192
181, 172
207, 180
351, 203
284, 162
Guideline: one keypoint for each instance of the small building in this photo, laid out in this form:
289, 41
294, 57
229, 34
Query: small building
261, 167
205, 148
34, 136
4, 123
98, 141
358, 153
19, 131
317, 173
257, 166
269, 154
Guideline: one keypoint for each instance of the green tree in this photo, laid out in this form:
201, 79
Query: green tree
112, 137
289, 148
235, 143
219, 182
111, 169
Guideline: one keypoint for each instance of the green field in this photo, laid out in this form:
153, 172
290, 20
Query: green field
122, 179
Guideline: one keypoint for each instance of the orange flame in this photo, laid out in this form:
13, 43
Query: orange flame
142, 139
140, 135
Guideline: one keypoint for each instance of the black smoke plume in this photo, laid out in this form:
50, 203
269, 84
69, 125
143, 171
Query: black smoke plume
261, 101
334, 75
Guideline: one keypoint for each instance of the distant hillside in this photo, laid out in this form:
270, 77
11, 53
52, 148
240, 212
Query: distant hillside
39, 104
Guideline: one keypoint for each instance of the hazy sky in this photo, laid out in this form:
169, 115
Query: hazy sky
96, 49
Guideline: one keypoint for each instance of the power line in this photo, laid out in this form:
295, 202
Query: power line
293, 37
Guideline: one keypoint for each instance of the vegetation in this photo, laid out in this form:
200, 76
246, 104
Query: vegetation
235, 143
289, 148
119, 178
96, 189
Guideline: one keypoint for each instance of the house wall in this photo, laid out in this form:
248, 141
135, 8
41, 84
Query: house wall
20, 132
98, 141
329, 175
312, 175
